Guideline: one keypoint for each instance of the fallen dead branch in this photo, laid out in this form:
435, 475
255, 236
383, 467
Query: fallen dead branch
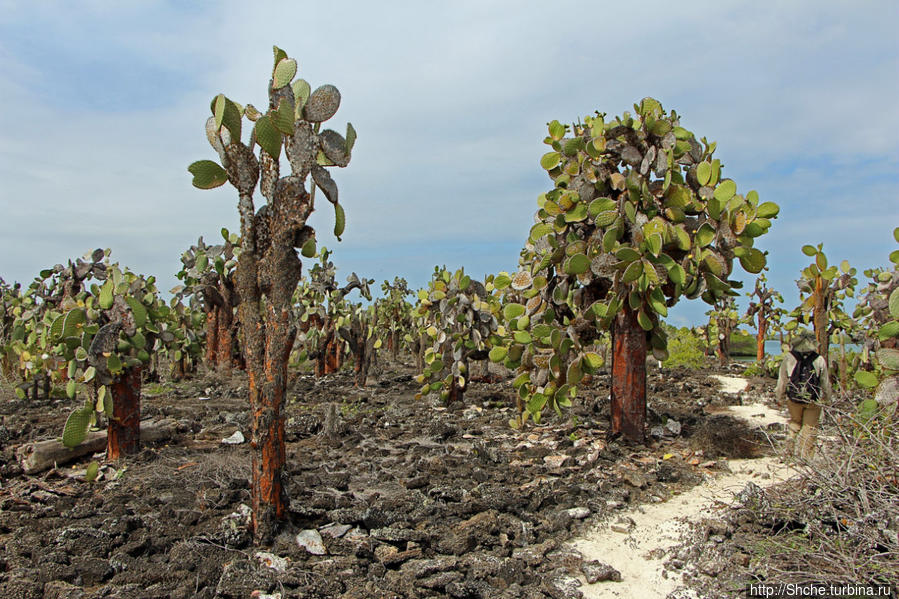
43, 455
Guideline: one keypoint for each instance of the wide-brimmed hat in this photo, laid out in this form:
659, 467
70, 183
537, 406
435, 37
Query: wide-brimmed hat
803, 341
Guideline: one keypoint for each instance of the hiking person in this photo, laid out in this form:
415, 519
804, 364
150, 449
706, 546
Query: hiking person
805, 380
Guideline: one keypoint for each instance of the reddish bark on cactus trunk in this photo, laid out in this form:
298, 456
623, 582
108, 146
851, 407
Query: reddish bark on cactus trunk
629, 346
211, 337
760, 338
819, 319
123, 433
225, 345
456, 393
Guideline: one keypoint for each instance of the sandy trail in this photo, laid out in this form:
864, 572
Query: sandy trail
659, 526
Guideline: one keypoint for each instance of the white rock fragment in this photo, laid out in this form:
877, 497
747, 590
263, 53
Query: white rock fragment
270, 560
236, 439
312, 542
578, 513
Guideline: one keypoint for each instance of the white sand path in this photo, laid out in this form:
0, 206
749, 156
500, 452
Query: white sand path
659, 526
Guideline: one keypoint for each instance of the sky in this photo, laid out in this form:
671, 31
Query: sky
104, 107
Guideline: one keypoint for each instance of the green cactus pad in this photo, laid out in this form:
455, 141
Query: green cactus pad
56, 328
339, 221
888, 358
725, 190
577, 264
283, 117
768, 210
301, 91
513, 310
106, 298
550, 160
227, 114
284, 72
753, 261
498, 353
75, 430
207, 174
138, 311
350, 138
268, 136
114, 364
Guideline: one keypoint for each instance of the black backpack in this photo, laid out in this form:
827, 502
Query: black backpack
805, 384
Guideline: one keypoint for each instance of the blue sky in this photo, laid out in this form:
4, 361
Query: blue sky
104, 105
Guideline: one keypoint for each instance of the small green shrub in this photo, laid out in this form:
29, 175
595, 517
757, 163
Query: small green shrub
685, 349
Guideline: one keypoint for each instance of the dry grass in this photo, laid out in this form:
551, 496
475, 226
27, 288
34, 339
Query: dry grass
840, 522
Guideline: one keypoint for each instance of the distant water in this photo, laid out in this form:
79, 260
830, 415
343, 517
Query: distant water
774, 348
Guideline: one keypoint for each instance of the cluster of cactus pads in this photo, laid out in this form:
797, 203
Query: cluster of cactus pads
293, 121
92, 327
639, 215
763, 307
823, 288
460, 322
878, 310
207, 274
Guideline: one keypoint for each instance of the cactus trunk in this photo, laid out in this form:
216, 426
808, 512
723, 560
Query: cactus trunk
629, 347
760, 338
123, 436
269, 457
225, 340
211, 337
456, 393
819, 319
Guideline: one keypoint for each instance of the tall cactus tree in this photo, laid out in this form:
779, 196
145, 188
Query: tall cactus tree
460, 321
723, 319
107, 338
395, 313
208, 273
269, 268
878, 313
358, 329
323, 308
764, 309
639, 215
823, 289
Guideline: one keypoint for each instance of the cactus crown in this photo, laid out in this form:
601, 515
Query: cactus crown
639, 215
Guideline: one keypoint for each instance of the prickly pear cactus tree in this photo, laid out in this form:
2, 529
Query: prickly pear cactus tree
460, 320
823, 290
186, 324
764, 310
269, 268
878, 314
208, 274
394, 314
323, 309
9, 295
106, 336
723, 321
639, 215
34, 308
358, 328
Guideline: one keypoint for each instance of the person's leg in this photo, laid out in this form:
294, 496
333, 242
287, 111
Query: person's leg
808, 434
793, 426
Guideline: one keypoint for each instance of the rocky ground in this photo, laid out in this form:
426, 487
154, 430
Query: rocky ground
406, 499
